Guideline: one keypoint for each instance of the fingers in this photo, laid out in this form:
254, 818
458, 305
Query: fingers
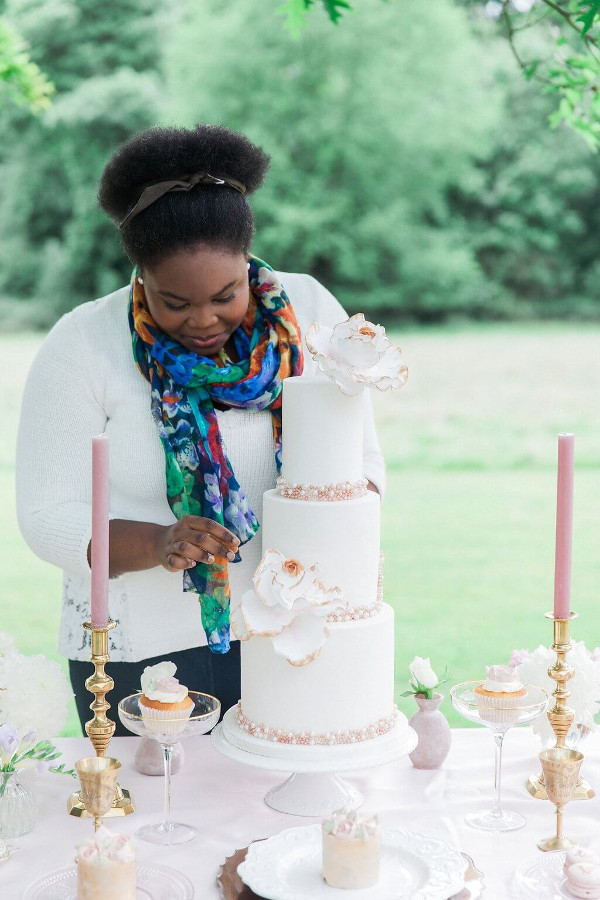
193, 551
220, 534
176, 563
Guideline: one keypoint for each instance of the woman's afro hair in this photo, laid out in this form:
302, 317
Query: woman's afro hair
217, 215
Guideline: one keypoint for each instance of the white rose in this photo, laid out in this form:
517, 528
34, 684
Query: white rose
422, 673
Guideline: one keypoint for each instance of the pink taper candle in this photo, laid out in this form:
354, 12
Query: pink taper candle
100, 516
564, 527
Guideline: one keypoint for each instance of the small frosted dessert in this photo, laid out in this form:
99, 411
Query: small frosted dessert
500, 695
164, 703
351, 850
583, 879
106, 867
579, 855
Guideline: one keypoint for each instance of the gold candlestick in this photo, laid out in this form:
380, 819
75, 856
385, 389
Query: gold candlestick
100, 729
561, 715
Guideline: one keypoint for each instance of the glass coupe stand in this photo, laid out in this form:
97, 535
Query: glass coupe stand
204, 715
498, 718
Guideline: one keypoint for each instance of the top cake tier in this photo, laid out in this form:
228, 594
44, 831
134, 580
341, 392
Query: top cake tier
322, 432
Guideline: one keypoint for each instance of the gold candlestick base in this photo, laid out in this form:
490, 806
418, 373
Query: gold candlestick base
100, 729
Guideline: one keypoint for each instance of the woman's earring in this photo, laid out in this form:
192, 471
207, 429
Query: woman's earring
247, 265
140, 280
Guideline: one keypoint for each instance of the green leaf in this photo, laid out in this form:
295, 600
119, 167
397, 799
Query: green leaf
587, 19
335, 9
295, 14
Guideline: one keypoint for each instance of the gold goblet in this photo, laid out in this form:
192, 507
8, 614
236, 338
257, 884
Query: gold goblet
561, 770
98, 778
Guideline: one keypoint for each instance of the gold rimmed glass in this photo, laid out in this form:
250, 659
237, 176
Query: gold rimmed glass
498, 717
203, 716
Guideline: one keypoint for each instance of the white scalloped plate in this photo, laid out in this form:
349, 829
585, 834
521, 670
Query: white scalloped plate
152, 883
287, 866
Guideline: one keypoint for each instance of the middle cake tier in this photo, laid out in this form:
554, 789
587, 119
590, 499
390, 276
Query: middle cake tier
341, 536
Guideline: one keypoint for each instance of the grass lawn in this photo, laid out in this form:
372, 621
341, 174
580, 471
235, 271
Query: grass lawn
468, 518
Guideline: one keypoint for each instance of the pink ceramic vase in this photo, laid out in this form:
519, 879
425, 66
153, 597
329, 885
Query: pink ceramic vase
433, 732
149, 758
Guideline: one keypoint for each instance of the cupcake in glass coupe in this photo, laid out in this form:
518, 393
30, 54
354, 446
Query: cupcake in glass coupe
500, 695
164, 703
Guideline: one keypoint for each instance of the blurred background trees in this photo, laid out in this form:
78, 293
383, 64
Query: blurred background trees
413, 171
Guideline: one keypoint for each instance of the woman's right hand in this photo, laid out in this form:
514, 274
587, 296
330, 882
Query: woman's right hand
191, 540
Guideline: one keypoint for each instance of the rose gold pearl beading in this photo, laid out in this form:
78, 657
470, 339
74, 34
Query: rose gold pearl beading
341, 490
308, 738
355, 613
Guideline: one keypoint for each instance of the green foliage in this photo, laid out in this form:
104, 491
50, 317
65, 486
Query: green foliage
559, 49
21, 81
104, 59
368, 133
295, 11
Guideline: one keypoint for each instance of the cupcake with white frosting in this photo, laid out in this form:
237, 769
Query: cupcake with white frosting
165, 703
351, 850
500, 695
106, 867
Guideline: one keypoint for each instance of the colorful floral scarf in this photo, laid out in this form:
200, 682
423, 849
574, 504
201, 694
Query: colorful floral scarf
200, 480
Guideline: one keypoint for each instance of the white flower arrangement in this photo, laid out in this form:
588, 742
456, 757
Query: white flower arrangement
289, 605
584, 687
34, 692
34, 696
357, 354
423, 679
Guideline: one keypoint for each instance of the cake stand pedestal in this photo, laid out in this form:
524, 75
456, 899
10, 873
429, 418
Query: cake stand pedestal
314, 788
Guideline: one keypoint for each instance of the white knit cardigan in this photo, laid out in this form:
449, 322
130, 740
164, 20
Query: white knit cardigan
84, 381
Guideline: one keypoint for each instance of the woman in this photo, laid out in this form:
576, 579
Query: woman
183, 370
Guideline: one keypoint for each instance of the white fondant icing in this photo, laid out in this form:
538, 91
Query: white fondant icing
348, 686
322, 432
341, 537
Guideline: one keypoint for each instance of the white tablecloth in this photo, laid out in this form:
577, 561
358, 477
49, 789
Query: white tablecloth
224, 799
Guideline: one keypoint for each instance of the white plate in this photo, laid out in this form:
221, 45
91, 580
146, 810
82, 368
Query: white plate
152, 883
413, 867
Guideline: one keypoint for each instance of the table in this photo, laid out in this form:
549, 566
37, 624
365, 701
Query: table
224, 799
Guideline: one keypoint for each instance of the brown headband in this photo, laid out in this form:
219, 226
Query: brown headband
150, 194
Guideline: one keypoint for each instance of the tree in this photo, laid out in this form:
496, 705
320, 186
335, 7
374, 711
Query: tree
366, 139
21, 81
104, 60
563, 54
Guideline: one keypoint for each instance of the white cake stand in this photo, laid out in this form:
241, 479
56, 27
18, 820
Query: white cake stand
314, 788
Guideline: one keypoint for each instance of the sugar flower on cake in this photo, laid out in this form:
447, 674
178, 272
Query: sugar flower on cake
357, 354
289, 605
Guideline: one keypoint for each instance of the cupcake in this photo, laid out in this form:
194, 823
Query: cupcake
351, 850
583, 880
579, 855
106, 867
500, 695
164, 703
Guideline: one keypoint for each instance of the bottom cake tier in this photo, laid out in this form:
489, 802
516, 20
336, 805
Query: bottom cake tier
345, 695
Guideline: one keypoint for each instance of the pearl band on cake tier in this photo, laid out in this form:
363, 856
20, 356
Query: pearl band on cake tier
351, 614
308, 738
341, 490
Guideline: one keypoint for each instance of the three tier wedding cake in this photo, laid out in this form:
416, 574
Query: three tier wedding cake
317, 650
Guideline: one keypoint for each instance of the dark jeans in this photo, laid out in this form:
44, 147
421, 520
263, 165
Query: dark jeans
199, 669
